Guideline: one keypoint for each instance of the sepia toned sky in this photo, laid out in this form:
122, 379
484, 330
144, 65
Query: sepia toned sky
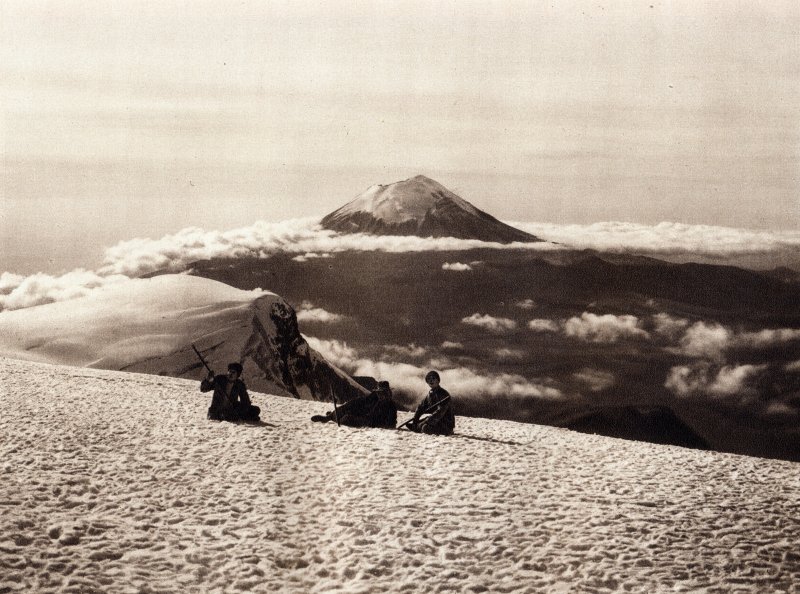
135, 119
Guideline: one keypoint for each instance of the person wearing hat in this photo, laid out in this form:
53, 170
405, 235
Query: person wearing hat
230, 401
437, 407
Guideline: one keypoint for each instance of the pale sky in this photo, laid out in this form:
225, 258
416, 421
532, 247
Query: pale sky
136, 119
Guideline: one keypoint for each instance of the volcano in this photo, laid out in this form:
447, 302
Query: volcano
423, 207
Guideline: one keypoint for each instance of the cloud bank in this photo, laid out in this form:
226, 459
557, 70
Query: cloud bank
18, 292
668, 239
305, 240
303, 237
409, 378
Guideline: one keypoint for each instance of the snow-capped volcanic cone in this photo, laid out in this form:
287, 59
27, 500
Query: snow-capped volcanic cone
420, 206
149, 325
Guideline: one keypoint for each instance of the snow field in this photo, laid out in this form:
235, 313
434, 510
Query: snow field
114, 482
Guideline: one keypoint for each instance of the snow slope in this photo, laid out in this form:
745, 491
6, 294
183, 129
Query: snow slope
419, 206
115, 482
149, 325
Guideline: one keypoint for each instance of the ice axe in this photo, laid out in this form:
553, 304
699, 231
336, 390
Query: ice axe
203, 361
428, 409
336, 411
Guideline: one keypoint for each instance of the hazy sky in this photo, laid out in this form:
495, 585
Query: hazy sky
126, 119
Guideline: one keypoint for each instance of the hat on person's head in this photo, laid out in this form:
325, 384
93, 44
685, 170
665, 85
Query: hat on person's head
235, 367
432, 375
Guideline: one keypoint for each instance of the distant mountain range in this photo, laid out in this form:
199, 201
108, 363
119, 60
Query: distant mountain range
388, 300
688, 354
423, 207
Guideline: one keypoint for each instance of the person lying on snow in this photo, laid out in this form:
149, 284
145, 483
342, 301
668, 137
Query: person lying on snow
230, 401
434, 415
376, 409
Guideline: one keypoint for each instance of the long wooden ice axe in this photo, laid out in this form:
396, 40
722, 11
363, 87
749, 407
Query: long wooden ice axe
203, 361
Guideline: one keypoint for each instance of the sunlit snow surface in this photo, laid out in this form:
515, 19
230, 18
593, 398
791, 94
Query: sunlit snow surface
115, 482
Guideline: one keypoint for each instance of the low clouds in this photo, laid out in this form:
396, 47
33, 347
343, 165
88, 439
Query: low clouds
595, 380
526, 304
606, 328
668, 327
670, 239
18, 292
410, 350
490, 323
305, 240
460, 381
308, 313
303, 237
721, 382
450, 345
713, 340
705, 340
543, 326
506, 354
310, 256
456, 267
739, 367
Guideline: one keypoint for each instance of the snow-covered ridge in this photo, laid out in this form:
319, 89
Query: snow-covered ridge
115, 482
149, 325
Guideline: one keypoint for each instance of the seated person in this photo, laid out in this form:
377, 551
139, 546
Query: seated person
376, 409
230, 401
434, 415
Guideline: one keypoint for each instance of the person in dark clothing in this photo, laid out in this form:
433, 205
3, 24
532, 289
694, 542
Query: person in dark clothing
376, 409
230, 401
437, 409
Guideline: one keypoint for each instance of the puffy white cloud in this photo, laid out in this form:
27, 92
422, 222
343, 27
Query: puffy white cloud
409, 350
456, 266
606, 328
18, 291
705, 340
490, 323
506, 354
711, 340
595, 379
707, 380
669, 327
335, 351
793, 367
449, 344
542, 325
668, 239
309, 313
777, 408
461, 382
526, 304
767, 338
